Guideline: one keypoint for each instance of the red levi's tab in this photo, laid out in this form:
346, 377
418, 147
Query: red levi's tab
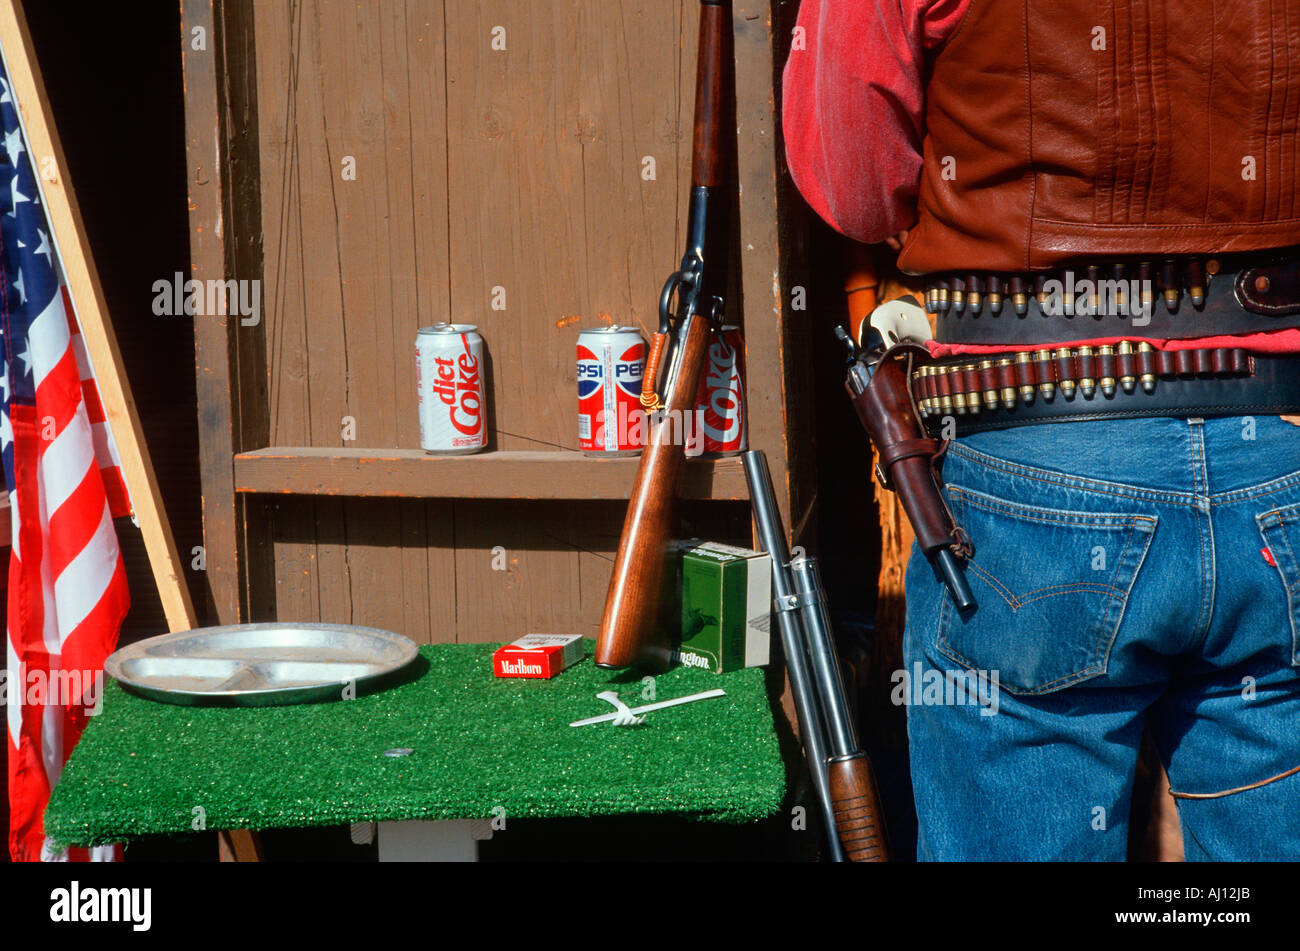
538, 656
1268, 556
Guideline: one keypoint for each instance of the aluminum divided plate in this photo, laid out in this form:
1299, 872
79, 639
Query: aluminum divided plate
259, 664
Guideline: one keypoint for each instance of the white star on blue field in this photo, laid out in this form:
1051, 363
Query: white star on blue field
29, 279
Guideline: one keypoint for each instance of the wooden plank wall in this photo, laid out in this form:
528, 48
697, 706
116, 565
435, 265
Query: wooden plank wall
475, 169
458, 571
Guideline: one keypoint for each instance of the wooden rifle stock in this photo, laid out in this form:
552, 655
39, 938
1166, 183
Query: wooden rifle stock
633, 628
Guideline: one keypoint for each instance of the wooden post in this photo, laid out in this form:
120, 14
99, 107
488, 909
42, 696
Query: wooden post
87, 295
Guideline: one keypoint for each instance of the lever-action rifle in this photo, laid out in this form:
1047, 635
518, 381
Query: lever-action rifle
631, 629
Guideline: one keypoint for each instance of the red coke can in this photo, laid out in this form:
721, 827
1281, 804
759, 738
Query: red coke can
611, 362
720, 401
449, 379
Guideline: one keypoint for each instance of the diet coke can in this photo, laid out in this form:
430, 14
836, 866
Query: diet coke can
611, 362
720, 401
449, 379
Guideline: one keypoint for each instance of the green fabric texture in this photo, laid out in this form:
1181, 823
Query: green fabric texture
481, 744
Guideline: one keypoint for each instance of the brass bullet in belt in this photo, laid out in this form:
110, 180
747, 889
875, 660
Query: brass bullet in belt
1066, 383
1170, 282
972, 395
973, 291
1094, 276
945, 399
1027, 390
958, 294
1008, 393
1019, 296
1040, 289
918, 387
932, 299
958, 394
1047, 388
1119, 274
943, 300
1087, 385
1126, 382
1107, 383
1148, 379
1196, 280
1147, 287
990, 396
995, 293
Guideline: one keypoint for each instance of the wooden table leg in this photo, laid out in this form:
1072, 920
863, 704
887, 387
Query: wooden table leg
239, 845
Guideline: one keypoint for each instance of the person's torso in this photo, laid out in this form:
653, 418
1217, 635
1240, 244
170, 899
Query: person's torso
1078, 128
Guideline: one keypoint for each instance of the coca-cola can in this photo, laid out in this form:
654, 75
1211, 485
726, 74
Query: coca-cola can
720, 400
449, 379
611, 363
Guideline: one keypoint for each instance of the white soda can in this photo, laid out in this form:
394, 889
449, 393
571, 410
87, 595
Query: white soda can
449, 379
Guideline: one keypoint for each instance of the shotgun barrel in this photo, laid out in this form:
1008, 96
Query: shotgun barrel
852, 784
812, 724
842, 774
634, 628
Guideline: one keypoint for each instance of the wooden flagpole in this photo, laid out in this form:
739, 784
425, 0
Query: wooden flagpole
69, 236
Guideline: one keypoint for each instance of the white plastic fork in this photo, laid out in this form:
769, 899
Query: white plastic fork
623, 716
623, 710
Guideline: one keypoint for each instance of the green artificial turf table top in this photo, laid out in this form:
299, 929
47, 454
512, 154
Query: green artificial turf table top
480, 745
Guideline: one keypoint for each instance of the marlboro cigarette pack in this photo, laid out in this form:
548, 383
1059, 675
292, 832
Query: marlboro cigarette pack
537, 655
726, 607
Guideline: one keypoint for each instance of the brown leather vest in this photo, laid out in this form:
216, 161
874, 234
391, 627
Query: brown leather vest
1181, 135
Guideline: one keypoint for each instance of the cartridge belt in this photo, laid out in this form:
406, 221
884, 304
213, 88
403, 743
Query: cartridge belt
1128, 380
1161, 300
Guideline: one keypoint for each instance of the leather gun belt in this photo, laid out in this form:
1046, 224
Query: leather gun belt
1064, 384
1178, 298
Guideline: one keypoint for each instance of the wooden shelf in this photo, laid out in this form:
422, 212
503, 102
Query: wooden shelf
414, 474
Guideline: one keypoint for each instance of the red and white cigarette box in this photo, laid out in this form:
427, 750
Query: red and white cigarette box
537, 655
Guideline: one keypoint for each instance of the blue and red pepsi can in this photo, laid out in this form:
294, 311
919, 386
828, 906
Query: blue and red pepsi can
611, 362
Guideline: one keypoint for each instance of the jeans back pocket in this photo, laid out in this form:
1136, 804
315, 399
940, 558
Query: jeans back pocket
1052, 587
1281, 531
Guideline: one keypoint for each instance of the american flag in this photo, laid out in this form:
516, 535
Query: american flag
67, 580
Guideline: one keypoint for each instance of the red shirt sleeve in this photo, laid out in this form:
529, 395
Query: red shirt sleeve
853, 107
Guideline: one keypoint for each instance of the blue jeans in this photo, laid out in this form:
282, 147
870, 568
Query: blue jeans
1129, 574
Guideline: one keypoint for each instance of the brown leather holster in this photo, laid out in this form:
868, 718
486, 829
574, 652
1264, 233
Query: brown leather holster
909, 460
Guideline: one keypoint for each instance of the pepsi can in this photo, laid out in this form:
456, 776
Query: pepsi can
611, 362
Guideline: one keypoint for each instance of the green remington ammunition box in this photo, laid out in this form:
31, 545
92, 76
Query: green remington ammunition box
726, 606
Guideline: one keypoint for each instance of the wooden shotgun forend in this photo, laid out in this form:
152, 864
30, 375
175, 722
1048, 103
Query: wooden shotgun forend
856, 804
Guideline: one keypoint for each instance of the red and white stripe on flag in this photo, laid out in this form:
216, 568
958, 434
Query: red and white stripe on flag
67, 578
110, 463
